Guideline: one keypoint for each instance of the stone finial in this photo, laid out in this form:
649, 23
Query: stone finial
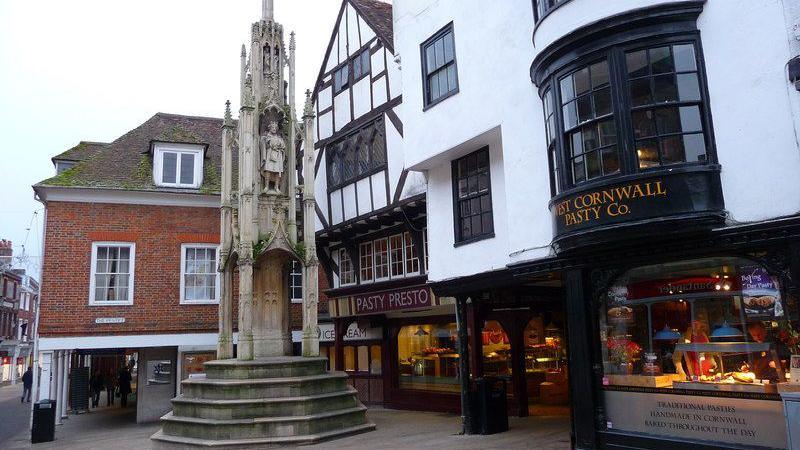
244, 51
228, 119
308, 111
292, 44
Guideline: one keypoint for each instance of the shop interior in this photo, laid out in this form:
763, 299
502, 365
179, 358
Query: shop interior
713, 324
107, 377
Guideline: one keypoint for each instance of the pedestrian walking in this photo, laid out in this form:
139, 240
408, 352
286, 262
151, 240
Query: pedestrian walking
111, 387
124, 386
27, 384
96, 385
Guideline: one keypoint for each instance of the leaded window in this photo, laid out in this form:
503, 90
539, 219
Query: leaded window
357, 155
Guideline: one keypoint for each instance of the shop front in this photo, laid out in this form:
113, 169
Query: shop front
397, 345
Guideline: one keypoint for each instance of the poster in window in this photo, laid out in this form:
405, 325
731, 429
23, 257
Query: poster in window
760, 293
159, 372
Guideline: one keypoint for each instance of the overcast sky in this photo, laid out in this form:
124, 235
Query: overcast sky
94, 69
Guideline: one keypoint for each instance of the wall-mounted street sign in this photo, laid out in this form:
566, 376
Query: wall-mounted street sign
680, 192
103, 320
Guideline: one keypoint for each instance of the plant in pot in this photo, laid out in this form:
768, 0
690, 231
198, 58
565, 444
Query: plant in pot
791, 338
622, 352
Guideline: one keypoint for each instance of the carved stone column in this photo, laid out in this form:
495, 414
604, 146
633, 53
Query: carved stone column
245, 347
225, 342
311, 264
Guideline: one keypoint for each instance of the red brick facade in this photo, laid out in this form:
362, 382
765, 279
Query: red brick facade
158, 232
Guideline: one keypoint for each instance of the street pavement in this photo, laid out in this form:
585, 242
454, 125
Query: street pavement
117, 429
14, 416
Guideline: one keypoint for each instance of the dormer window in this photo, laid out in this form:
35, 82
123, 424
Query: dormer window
178, 165
61, 166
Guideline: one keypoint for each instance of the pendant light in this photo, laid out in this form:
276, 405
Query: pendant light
667, 334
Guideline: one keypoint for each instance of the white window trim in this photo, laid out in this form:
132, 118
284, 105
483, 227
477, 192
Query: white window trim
302, 283
183, 300
158, 163
372, 266
375, 260
405, 256
93, 270
352, 268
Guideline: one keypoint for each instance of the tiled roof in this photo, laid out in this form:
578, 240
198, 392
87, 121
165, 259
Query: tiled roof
81, 152
127, 163
379, 16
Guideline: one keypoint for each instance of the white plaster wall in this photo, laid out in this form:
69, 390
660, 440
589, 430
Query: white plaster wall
349, 197
324, 98
379, 91
395, 77
394, 155
367, 32
321, 189
447, 261
379, 189
352, 30
415, 184
336, 207
341, 107
362, 101
325, 125
495, 93
364, 196
342, 41
377, 61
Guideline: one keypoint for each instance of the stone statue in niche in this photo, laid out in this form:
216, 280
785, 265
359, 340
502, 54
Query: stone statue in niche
273, 156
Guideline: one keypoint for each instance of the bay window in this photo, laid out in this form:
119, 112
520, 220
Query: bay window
626, 108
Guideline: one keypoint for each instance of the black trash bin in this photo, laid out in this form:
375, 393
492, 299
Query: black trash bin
492, 405
44, 421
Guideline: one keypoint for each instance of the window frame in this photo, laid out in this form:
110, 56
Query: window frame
345, 83
354, 281
538, 16
93, 273
295, 265
333, 150
613, 51
458, 239
182, 297
427, 103
362, 256
360, 56
197, 151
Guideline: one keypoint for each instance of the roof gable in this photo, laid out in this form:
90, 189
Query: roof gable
376, 14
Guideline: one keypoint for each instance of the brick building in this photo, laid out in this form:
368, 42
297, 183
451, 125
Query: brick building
10, 290
130, 262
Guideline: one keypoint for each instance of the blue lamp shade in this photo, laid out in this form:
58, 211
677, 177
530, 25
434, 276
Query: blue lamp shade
667, 334
726, 331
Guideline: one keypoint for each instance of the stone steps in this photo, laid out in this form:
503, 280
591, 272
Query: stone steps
264, 407
162, 441
223, 429
219, 389
259, 368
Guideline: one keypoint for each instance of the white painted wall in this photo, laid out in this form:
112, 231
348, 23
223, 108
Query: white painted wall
751, 102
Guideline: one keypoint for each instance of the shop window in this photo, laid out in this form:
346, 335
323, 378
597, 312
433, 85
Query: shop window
427, 359
473, 197
192, 363
363, 358
712, 324
628, 108
496, 350
324, 353
349, 358
375, 358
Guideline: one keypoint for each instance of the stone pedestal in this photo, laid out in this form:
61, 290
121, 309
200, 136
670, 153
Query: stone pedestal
263, 402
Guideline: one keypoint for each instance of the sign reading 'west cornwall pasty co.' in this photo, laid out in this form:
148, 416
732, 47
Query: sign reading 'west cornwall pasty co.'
640, 198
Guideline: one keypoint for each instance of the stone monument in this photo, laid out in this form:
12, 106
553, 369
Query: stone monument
263, 396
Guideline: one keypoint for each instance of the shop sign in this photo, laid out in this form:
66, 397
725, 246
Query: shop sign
693, 285
102, 320
757, 423
647, 197
410, 298
760, 293
326, 333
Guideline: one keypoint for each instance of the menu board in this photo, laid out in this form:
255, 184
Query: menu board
760, 293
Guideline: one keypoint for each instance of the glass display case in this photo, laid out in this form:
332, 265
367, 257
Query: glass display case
709, 324
427, 359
